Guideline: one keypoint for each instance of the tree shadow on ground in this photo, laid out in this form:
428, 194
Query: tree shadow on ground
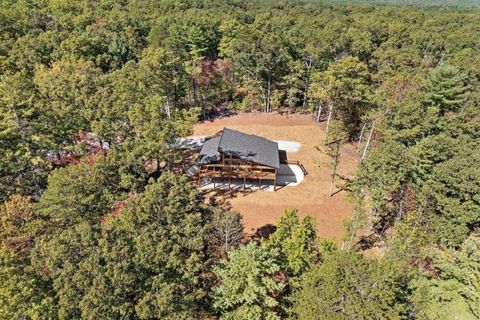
367, 241
217, 113
264, 232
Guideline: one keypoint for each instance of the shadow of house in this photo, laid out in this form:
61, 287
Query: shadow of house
282, 155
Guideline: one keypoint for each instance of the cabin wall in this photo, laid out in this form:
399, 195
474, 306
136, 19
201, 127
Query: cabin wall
237, 168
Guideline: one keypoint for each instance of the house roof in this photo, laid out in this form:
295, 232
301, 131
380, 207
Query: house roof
241, 145
209, 152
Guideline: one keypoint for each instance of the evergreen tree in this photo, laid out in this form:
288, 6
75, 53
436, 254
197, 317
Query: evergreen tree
348, 286
249, 284
453, 189
262, 58
446, 89
67, 98
78, 192
70, 262
452, 289
23, 293
295, 239
23, 168
145, 260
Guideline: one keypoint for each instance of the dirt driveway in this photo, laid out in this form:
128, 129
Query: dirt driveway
310, 197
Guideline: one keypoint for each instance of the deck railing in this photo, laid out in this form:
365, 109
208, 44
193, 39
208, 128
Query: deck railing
236, 171
296, 162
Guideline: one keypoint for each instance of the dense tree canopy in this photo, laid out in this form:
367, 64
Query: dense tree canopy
249, 284
295, 239
347, 286
98, 222
143, 260
452, 291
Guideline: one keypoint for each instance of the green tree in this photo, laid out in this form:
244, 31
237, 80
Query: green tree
385, 171
452, 289
158, 257
137, 113
401, 116
348, 286
23, 294
67, 98
453, 189
70, 262
23, 169
446, 88
19, 225
345, 84
295, 238
143, 259
261, 57
409, 242
77, 193
249, 283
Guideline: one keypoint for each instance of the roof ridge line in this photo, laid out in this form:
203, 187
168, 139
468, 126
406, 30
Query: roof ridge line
220, 141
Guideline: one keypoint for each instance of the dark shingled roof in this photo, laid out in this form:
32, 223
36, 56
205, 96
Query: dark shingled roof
240, 145
209, 152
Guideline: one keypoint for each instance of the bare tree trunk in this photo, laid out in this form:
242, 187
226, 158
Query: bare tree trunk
353, 227
329, 117
308, 64
269, 93
305, 97
368, 140
266, 96
201, 97
361, 135
194, 92
167, 110
227, 231
265, 100
335, 165
319, 112
401, 201
175, 97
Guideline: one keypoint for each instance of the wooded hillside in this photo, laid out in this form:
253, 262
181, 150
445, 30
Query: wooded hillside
421, 3
97, 220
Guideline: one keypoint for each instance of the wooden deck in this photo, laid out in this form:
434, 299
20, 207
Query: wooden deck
234, 168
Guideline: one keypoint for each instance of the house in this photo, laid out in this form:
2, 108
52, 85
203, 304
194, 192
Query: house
236, 155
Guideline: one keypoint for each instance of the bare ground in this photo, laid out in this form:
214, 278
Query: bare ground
311, 197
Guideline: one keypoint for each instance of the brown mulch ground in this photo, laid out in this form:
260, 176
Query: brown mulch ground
261, 209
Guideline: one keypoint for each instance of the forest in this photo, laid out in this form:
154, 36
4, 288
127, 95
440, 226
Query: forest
97, 220
420, 3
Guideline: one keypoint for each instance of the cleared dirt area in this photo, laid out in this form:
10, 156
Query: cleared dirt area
311, 197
